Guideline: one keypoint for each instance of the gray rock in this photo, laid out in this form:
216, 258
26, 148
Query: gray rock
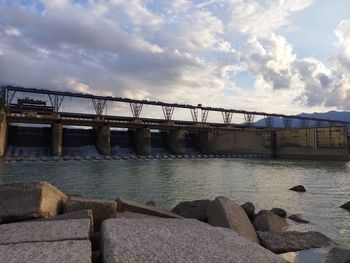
268, 221
298, 188
126, 205
101, 208
249, 209
42, 231
298, 218
279, 211
193, 209
29, 200
226, 213
74, 215
338, 255
174, 240
69, 251
346, 206
132, 215
151, 203
292, 241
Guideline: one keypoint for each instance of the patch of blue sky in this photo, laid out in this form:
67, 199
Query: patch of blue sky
312, 31
243, 80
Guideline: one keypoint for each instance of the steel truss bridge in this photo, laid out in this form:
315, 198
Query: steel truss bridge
198, 113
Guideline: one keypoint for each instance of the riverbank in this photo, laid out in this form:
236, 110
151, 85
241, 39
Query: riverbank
37, 218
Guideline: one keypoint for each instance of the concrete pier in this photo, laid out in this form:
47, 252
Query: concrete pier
103, 140
142, 140
175, 140
3, 133
56, 139
240, 141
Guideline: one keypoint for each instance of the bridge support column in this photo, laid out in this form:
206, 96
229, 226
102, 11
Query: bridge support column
3, 133
56, 139
142, 139
176, 143
103, 140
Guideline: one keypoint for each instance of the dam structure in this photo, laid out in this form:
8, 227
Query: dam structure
32, 124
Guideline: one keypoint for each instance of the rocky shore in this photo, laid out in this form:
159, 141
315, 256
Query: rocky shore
39, 223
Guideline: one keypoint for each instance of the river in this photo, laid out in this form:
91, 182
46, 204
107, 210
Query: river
167, 182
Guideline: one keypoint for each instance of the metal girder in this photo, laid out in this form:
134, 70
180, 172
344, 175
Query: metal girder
249, 119
194, 114
168, 112
287, 122
227, 116
269, 121
195, 117
304, 123
56, 101
10, 94
99, 106
136, 109
204, 115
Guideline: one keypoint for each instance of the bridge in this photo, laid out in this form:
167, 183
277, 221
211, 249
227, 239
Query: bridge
321, 135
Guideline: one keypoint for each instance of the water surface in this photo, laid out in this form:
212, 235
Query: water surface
263, 182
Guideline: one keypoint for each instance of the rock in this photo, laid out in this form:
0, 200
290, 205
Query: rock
151, 203
279, 211
249, 209
173, 240
193, 209
44, 231
132, 215
226, 213
101, 208
292, 241
298, 218
74, 215
338, 255
298, 188
68, 251
268, 221
126, 205
346, 206
29, 200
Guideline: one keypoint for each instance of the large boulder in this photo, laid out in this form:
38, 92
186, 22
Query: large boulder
298, 218
292, 241
29, 200
346, 206
193, 209
268, 221
126, 205
68, 251
101, 209
298, 188
226, 213
338, 255
173, 240
44, 231
279, 211
249, 209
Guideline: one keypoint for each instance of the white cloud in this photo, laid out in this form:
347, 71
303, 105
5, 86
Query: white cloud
180, 51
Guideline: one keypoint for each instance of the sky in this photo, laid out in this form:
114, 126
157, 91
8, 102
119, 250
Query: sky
284, 56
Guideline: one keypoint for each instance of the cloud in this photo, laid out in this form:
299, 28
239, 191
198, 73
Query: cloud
180, 51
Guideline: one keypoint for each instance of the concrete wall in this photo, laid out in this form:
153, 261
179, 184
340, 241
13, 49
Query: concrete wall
176, 141
3, 133
142, 139
239, 141
103, 140
330, 143
56, 140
